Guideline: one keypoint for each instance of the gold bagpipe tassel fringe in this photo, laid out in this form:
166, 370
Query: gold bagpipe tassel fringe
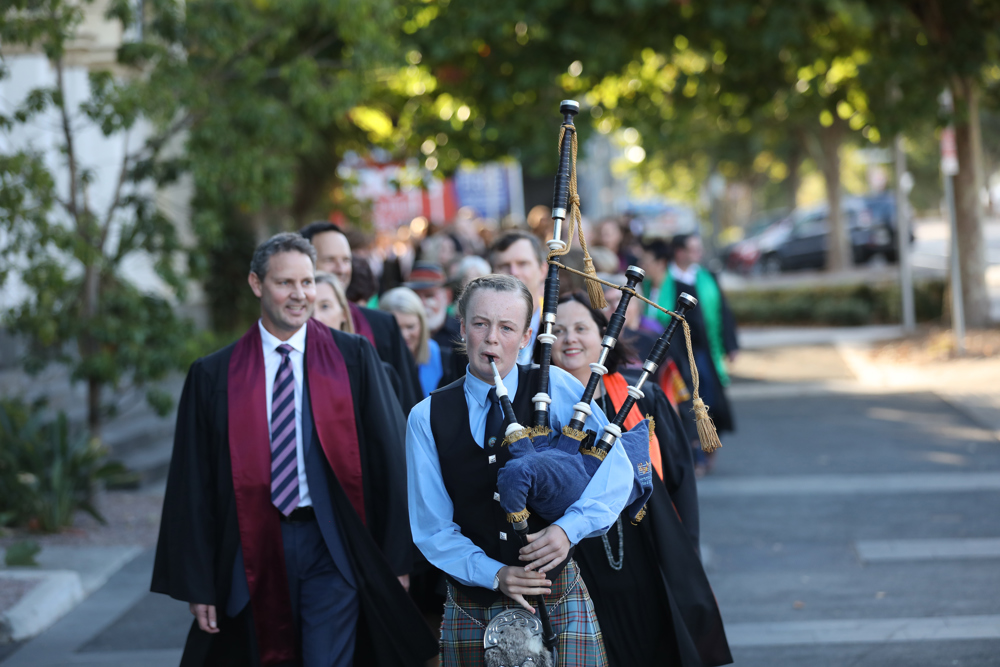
515, 436
707, 434
598, 454
652, 426
538, 431
573, 433
514, 517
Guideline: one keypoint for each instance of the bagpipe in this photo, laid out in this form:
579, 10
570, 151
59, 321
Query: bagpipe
549, 471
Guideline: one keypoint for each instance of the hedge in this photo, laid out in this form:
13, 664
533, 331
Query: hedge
840, 305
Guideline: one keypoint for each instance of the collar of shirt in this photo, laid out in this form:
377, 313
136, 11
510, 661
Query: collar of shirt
478, 391
686, 276
270, 342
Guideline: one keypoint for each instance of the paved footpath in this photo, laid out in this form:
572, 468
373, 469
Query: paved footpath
841, 527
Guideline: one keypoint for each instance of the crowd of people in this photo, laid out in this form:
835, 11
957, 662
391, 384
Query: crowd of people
290, 519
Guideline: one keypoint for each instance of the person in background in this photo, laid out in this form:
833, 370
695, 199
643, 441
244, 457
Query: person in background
428, 281
651, 595
433, 361
611, 235
520, 254
713, 327
285, 513
331, 304
468, 269
333, 255
363, 285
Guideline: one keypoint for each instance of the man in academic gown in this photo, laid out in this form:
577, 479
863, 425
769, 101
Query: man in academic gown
713, 327
333, 255
285, 518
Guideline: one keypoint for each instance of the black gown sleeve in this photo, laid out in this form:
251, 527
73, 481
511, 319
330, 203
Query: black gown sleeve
384, 429
186, 550
729, 340
392, 349
678, 462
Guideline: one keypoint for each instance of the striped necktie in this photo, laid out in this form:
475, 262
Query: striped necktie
284, 462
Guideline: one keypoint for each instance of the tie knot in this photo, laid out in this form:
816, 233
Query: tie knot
494, 399
285, 349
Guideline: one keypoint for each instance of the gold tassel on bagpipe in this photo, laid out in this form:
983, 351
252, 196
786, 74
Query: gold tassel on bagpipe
640, 516
707, 434
515, 517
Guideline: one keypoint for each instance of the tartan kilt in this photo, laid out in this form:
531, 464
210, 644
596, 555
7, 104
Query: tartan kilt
580, 640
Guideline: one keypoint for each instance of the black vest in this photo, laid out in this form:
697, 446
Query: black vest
471, 479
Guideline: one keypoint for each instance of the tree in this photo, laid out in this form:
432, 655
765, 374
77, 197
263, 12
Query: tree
961, 37
275, 94
67, 252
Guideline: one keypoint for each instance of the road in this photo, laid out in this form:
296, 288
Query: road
855, 529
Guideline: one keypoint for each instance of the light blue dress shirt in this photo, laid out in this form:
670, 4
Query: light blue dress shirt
431, 509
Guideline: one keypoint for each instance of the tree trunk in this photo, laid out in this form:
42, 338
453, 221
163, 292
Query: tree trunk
794, 179
968, 211
94, 407
838, 251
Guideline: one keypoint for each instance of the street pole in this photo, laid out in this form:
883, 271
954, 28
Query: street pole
903, 238
949, 167
957, 309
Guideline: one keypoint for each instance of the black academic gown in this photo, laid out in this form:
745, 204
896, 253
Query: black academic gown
392, 349
199, 534
658, 608
677, 458
719, 407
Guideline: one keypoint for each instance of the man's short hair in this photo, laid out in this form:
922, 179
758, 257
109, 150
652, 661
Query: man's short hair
512, 237
680, 241
659, 249
319, 227
284, 242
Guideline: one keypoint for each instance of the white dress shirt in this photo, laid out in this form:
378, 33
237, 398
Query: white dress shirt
272, 359
687, 276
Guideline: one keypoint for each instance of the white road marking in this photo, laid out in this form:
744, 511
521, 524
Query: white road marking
862, 631
875, 551
875, 484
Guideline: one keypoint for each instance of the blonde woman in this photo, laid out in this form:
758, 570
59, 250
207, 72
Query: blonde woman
433, 362
331, 304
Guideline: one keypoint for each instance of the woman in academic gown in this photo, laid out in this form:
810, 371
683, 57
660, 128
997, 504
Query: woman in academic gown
201, 534
652, 597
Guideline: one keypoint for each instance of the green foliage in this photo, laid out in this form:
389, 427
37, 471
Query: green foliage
22, 554
81, 311
48, 470
843, 305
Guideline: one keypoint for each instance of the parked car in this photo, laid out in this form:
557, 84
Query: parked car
742, 256
805, 241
